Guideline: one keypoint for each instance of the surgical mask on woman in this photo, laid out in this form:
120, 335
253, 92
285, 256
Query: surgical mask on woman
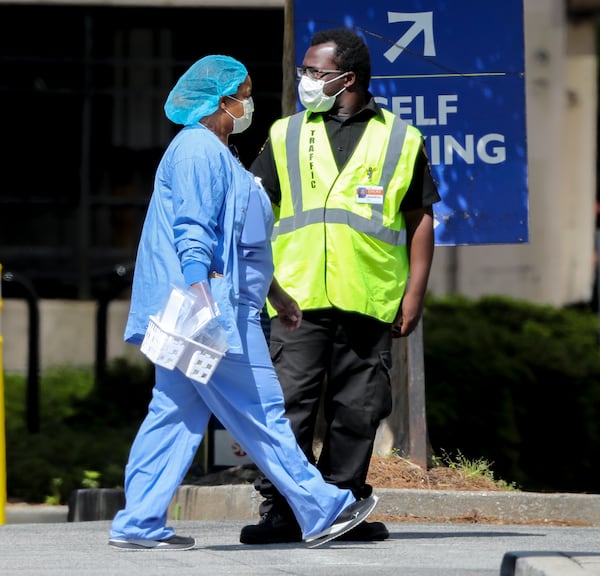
312, 97
243, 122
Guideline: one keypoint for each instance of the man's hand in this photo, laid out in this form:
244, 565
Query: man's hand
287, 308
408, 316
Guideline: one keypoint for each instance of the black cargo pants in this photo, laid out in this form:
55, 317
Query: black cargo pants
346, 359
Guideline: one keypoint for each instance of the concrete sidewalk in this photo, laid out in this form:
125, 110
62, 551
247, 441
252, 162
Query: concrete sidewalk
413, 549
39, 540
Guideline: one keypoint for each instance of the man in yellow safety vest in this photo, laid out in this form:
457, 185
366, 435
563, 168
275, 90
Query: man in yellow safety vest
352, 192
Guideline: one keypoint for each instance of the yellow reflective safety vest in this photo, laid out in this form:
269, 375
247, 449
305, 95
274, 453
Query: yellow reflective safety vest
339, 238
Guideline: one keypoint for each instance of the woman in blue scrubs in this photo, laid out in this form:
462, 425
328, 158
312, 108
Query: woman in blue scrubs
209, 221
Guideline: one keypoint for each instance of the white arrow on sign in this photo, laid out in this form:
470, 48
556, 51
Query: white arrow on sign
422, 22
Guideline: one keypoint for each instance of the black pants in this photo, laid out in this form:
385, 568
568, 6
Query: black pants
346, 358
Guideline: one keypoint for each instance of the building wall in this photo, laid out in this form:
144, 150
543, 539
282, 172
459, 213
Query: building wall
67, 334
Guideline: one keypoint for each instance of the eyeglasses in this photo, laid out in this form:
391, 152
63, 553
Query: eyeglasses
314, 73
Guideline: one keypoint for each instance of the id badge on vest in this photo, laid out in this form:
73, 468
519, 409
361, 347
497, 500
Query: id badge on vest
369, 194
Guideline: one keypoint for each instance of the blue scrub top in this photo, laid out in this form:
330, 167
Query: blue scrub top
209, 219
254, 250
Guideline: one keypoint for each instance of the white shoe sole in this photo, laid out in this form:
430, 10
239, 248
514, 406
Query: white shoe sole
336, 530
141, 544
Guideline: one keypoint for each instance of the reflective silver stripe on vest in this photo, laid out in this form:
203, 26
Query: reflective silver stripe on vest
292, 146
372, 226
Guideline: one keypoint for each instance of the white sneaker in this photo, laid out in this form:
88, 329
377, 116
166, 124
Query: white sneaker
350, 517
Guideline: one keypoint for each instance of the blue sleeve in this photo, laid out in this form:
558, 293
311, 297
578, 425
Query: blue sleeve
199, 185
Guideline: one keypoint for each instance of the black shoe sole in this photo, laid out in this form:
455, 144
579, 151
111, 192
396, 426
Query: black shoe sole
366, 532
259, 540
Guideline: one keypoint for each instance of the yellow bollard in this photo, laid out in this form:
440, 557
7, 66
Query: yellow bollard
2, 424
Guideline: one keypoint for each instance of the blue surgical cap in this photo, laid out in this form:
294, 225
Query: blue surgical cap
198, 91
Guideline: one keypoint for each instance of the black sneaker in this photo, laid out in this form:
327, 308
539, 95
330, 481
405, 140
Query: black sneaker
350, 517
273, 528
172, 543
366, 532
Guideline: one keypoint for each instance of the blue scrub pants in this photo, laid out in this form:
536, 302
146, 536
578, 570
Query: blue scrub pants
245, 396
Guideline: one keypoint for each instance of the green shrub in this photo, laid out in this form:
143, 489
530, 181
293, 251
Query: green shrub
82, 427
517, 384
60, 389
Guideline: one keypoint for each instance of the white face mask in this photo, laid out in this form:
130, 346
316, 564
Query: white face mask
243, 122
312, 97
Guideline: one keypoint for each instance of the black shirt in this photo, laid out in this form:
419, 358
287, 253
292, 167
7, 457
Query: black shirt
344, 134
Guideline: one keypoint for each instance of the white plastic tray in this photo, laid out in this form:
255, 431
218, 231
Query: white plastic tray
171, 351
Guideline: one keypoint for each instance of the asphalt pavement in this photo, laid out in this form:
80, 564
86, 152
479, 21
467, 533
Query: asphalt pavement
38, 540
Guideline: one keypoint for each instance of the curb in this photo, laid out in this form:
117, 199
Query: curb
550, 564
241, 502
513, 507
35, 514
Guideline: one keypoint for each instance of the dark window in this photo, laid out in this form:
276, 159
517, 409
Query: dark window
82, 92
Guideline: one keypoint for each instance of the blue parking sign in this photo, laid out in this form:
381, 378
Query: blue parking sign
454, 69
